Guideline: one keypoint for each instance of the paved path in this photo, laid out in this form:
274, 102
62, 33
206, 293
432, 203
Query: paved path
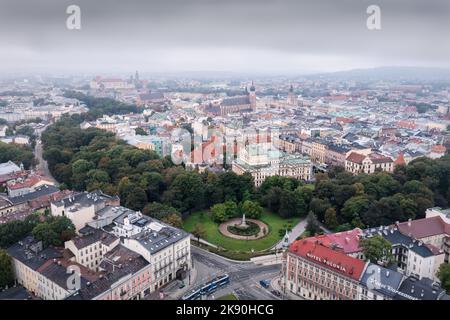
296, 231
203, 242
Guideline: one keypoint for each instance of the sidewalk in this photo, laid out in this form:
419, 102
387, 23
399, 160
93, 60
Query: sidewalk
172, 291
275, 284
204, 242
178, 293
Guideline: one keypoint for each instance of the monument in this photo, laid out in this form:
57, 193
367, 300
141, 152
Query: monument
243, 224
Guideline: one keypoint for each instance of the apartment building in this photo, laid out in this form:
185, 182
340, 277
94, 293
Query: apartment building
45, 272
82, 207
360, 163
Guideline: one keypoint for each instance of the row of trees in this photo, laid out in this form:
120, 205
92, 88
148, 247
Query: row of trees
48, 229
101, 106
342, 201
222, 212
17, 154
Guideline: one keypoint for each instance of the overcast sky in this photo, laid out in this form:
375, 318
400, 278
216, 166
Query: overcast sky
275, 36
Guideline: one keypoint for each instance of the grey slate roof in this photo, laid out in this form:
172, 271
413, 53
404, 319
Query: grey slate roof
235, 101
382, 280
93, 236
423, 289
22, 251
41, 191
396, 238
84, 199
117, 264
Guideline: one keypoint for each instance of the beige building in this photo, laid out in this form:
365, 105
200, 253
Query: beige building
261, 162
318, 151
359, 163
90, 249
45, 272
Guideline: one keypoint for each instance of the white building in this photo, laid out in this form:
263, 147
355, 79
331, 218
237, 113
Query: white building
82, 207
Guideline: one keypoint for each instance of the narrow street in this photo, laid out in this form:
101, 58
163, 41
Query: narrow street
42, 165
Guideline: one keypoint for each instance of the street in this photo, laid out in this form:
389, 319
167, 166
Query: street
41, 163
244, 276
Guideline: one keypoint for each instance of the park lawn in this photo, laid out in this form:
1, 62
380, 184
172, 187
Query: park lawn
228, 297
214, 236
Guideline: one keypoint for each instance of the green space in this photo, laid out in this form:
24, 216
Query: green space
228, 297
251, 230
213, 235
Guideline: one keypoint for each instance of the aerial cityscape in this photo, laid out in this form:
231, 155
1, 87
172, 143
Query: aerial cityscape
215, 159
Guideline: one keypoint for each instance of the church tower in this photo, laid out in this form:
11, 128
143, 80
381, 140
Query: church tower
252, 97
292, 97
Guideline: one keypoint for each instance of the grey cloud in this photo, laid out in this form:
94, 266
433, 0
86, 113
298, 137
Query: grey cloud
284, 35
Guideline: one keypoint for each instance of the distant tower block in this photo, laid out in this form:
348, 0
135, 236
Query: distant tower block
292, 97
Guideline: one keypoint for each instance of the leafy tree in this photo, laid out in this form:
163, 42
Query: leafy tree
13, 231
160, 211
319, 207
6, 269
376, 249
45, 233
186, 192
273, 198
312, 224
331, 220
80, 168
17, 154
174, 220
199, 232
224, 211
140, 131
291, 204
252, 209
355, 207
444, 276
135, 199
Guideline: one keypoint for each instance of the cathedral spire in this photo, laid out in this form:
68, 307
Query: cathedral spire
252, 88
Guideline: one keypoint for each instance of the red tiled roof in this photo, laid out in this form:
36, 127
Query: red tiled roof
344, 120
329, 258
346, 241
379, 158
438, 148
422, 228
28, 182
406, 124
356, 157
